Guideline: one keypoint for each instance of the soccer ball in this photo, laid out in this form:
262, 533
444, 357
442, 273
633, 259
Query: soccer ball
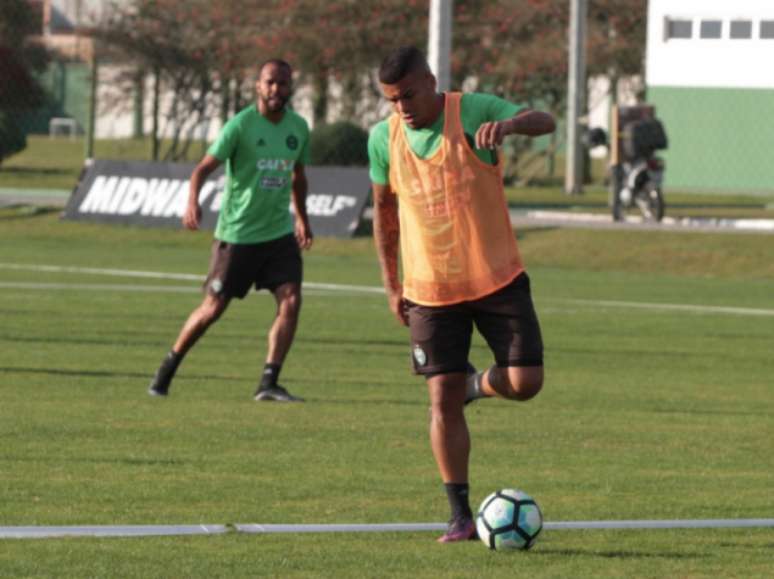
509, 519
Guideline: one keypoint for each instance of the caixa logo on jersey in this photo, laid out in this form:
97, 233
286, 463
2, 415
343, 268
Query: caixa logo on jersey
156, 194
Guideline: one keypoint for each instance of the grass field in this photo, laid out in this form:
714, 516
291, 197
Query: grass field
657, 405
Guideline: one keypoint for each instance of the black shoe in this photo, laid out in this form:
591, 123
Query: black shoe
275, 393
161, 382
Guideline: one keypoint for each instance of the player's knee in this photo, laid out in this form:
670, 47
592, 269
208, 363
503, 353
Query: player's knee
289, 301
211, 310
526, 390
525, 383
290, 305
446, 411
446, 405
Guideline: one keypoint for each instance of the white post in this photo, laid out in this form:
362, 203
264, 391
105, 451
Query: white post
576, 93
439, 43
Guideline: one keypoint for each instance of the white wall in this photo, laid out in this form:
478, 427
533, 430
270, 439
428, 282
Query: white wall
700, 62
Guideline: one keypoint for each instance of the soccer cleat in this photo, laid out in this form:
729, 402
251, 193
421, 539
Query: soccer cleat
460, 529
159, 386
275, 394
161, 382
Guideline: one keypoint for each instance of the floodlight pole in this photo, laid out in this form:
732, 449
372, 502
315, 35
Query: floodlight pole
439, 43
576, 93
92, 115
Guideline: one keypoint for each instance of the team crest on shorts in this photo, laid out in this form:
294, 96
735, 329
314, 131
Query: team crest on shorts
420, 356
216, 286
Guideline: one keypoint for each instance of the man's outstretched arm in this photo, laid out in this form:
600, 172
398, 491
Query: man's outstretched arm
528, 123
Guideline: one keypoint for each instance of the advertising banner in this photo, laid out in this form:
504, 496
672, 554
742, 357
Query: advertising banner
156, 194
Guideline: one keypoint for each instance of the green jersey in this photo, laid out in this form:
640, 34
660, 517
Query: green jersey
260, 157
476, 109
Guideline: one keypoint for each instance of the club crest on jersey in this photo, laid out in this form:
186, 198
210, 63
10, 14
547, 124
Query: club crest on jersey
292, 142
419, 356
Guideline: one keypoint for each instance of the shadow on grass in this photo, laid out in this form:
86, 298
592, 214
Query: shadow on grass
25, 211
368, 402
358, 347
86, 460
105, 374
35, 171
69, 340
616, 554
360, 344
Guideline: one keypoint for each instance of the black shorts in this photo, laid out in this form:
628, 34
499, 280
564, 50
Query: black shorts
441, 335
234, 267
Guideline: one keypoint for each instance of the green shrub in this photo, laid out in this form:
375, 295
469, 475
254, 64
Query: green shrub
340, 143
13, 138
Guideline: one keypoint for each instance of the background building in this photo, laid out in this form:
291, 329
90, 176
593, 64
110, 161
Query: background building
710, 77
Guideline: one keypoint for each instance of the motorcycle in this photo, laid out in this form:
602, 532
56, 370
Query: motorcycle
637, 183
636, 180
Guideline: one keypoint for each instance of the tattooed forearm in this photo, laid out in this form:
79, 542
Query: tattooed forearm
387, 234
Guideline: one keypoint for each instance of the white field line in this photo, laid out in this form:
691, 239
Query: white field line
159, 530
674, 307
100, 287
171, 276
330, 287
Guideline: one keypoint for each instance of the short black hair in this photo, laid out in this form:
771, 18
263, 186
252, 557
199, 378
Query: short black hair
277, 62
400, 62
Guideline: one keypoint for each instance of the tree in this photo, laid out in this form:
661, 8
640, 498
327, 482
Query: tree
20, 60
519, 48
617, 39
199, 51
344, 41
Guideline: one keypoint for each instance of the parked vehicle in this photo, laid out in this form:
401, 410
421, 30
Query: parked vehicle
636, 180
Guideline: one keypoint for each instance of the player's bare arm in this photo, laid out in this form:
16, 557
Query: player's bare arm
300, 188
386, 237
193, 212
528, 123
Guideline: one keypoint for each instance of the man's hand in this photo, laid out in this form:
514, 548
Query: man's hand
398, 305
193, 213
490, 135
304, 235
192, 216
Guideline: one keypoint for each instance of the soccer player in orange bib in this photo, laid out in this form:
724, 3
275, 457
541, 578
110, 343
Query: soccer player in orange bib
438, 194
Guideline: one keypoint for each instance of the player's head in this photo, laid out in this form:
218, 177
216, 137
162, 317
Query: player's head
407, 82
274, 85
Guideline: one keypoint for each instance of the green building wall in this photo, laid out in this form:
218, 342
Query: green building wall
67, 86
719, 139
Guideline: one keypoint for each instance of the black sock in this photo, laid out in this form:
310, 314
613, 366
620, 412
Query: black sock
270, 375
458, 500
170, 363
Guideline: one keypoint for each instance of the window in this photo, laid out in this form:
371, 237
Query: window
710, 28
678, 29
741, 29
767, 28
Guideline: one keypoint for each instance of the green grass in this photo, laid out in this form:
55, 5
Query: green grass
646, 413
56, 163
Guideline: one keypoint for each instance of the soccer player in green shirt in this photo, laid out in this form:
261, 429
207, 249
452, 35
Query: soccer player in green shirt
257, 239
